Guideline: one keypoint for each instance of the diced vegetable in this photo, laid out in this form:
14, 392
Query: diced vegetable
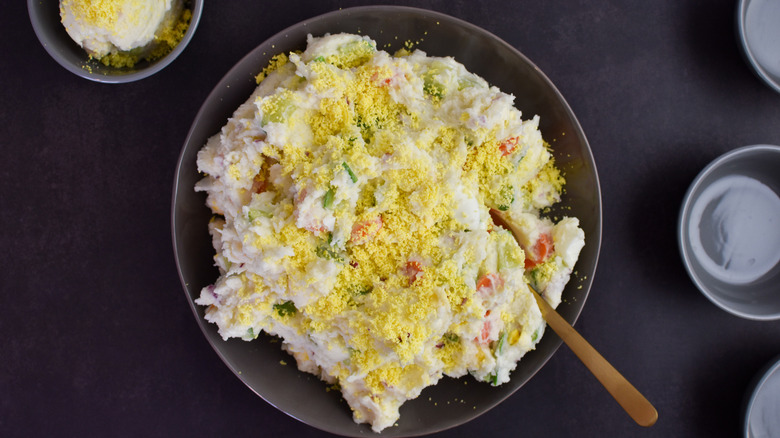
508, 146
327, 252
349, 171
359, 289
535, 336
540, 252
327, 200
412, 270
505, 197
433, 87
364, 231
501, 346
352, 54
255, 213
466, 82
451, 337
488, 283
277, 108
509, 254
433, 79
484, 335
286, 308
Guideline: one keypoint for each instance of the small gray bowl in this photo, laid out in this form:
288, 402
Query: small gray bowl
729, 232
758, 33
760, 417
45, 19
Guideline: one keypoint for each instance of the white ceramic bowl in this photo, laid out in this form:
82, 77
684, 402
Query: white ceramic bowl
729, 232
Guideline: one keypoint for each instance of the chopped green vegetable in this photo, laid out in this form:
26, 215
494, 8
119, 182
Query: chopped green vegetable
510, 255
326, 252
539, 277
493, 379
319, 59
501, 343
353, 54
432, 87
535, 336
466, 82
327, 201
434, 79
360, 289
349, 171
255, 213
505, 197
285, 309
277, 108
360, 123
451, 337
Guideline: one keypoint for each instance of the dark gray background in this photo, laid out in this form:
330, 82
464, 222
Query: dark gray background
98, 338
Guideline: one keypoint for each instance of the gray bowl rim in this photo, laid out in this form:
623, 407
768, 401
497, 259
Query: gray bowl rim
552, 340
40, 32
747, 54
773, 367
696, 186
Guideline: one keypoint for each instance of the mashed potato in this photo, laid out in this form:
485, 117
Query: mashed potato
121, 32
351, 195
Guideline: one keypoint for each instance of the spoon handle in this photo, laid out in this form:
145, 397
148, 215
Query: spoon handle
632, 401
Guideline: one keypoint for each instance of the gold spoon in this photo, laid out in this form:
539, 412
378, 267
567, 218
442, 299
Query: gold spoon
629, 398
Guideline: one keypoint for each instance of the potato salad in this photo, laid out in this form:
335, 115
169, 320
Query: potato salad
351, 196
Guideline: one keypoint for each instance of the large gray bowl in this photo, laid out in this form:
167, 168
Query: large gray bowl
46, 21
257, 363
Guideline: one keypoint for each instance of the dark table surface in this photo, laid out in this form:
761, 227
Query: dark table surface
97, 335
